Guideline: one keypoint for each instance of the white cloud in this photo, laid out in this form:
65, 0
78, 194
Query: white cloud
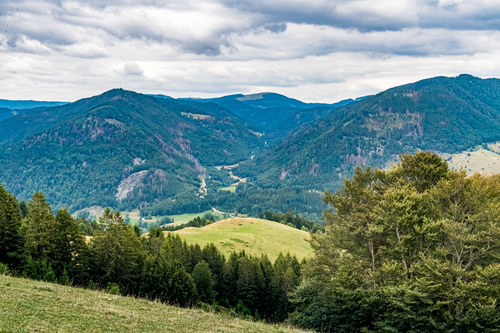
133, 69
316, 50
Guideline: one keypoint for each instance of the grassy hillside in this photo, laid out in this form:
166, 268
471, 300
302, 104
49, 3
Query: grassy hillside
478, 161
34, 306
255, 236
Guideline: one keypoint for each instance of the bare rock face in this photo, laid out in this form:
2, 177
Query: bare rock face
127, 185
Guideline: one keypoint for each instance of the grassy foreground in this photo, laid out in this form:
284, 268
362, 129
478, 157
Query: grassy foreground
35, 306
255, 236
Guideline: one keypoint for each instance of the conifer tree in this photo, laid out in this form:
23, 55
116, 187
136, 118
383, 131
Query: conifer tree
202, 277
117, 256
72, 248
41, 233
11, 246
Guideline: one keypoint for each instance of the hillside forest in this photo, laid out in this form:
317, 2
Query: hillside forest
413, 248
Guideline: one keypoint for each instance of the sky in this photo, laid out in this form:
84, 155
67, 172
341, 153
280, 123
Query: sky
312, 50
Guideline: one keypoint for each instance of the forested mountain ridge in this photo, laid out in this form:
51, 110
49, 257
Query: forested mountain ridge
26, 104
274, 114
439, 114
118, 148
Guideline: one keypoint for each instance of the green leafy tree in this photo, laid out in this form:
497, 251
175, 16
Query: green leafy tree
415, 248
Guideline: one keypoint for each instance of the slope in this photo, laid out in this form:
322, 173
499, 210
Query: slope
35, 306
120, 149
255, 236
444, 115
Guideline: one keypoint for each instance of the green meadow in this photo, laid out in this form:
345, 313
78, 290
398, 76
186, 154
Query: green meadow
36, 306
255, 236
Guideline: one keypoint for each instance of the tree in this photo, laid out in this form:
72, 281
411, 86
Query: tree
117, 256
11, 246
41, 234
415, 248
164, 277
204, 282
72, 248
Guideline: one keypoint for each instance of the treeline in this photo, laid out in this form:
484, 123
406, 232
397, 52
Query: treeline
248, 199
197, 222
292, 220
36, 244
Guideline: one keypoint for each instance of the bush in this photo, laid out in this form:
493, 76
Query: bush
113, 288
4, 269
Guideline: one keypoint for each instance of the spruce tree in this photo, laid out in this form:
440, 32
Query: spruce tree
72, 248
117, 256
41, 233
202, 277
11, 246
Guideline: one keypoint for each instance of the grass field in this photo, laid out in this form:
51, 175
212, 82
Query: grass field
255, 236
34, 306
480, 161
231, 188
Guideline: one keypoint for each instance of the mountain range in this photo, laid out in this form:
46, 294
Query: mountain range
128, 150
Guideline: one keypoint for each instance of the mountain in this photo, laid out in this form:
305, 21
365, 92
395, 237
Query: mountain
18, 105
442, 114
119, 149
273, 114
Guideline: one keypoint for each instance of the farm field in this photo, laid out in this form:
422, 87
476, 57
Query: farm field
35, 306
255, 236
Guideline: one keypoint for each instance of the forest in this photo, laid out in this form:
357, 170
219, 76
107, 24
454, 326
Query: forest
414, 248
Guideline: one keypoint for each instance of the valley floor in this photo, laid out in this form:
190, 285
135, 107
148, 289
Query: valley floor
35, 306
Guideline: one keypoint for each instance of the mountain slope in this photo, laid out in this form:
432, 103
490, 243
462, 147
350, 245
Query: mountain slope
119, 149
441, 114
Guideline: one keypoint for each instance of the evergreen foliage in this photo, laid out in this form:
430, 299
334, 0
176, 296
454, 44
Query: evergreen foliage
202, 277
11, 246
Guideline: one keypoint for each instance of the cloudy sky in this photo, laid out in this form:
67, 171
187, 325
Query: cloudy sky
313, 50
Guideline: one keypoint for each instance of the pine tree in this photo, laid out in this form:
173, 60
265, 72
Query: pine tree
72, 248
202, 277
11, 245
41, 233
117, 256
